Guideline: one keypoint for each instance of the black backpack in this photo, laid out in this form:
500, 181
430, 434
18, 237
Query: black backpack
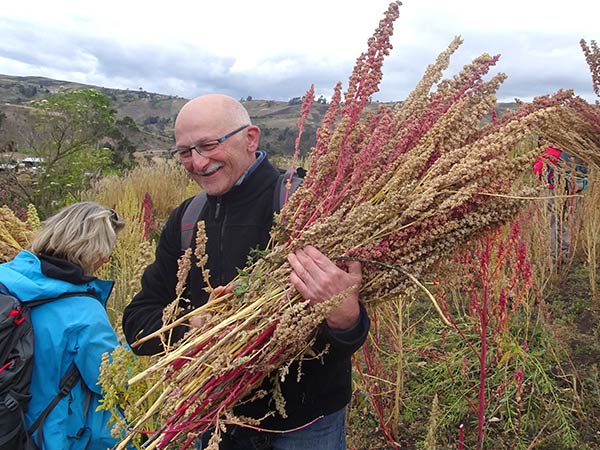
194, 208
16, 366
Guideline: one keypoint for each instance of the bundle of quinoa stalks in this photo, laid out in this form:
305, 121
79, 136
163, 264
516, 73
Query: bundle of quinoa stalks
398, 189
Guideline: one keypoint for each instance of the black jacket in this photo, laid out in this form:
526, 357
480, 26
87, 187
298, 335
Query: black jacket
237, 222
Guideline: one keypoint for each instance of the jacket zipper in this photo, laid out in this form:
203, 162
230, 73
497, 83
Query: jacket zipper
218, 208
221, 237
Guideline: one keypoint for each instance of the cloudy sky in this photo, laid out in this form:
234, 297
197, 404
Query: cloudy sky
274, 49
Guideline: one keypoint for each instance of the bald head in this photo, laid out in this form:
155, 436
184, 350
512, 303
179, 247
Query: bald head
210, 111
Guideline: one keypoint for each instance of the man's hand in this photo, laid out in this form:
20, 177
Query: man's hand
219, 291
318, 279
199, 320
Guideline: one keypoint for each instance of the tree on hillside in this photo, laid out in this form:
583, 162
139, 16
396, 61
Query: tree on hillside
122, 137
69, 122
69, 128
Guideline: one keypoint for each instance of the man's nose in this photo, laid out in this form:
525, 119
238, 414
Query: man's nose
199, 162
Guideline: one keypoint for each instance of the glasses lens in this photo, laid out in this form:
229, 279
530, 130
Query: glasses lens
207, 147
182, 153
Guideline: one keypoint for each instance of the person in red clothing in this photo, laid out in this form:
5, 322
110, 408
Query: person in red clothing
566, 170
550, 159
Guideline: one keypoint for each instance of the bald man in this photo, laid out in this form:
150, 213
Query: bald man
218, 146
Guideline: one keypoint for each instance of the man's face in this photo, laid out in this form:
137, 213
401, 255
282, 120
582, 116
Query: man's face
218, 168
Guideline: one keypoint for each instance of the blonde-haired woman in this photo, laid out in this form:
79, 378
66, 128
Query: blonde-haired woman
73, 331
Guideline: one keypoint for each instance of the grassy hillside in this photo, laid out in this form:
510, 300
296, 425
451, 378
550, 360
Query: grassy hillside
154, 114
16, 120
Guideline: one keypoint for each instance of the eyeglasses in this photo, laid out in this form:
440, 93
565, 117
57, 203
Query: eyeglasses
115, 220
205, 147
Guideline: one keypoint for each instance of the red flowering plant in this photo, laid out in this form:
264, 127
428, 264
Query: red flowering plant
497, 283
148, 215
592, 57
397, 189
474, 367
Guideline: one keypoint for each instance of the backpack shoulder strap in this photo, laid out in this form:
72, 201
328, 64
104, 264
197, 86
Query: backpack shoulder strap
281, 187
66, 384
34, 303
190, 218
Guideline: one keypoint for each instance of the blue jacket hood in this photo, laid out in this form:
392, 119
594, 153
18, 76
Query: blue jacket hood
23, 277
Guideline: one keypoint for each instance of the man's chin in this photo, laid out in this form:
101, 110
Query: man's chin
212, 189
214, 185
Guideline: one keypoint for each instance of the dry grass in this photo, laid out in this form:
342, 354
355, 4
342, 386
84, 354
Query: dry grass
167, 185
164, 180
15, 234
131, 254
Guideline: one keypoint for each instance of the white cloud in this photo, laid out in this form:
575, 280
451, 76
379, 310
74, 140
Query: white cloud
276, 49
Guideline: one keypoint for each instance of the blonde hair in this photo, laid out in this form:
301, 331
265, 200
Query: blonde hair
83, 233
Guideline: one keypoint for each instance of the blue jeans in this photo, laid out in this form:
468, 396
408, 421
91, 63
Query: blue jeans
327, 433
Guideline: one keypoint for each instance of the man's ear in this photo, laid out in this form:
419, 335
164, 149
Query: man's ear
253, 134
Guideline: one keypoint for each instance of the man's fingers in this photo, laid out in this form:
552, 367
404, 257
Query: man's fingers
317, 258
355, 268
299, 285
299, 264
219, 291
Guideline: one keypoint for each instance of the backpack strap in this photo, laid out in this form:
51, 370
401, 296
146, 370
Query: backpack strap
279, 197
34, 303
66, 384
190, 218
86, 410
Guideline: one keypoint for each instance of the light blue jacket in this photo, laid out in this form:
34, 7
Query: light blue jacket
68, 330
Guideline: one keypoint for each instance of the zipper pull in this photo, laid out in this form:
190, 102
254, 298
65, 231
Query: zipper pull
218, 208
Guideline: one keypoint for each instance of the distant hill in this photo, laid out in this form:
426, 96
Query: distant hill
16, 121
154, 114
